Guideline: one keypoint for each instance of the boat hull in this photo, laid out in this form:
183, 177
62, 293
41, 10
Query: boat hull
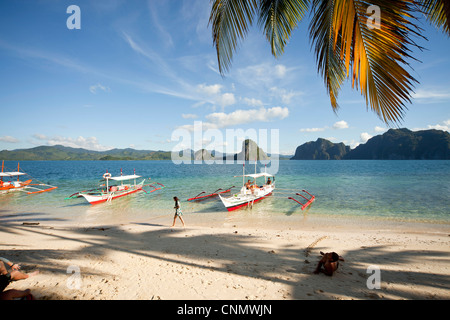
104, 197
248, 203
6, 187
246, 198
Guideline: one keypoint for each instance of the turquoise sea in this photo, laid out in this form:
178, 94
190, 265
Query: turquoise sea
393, 190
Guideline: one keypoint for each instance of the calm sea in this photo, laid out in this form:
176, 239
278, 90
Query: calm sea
399, 190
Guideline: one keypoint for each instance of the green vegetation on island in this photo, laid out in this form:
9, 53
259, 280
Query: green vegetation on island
395, 144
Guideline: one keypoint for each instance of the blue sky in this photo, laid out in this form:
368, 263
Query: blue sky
138, 71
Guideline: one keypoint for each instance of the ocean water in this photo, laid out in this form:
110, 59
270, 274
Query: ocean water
392, 190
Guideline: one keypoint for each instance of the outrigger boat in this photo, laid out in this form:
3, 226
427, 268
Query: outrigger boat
201, 196
248, 195
251, 193
17, 185
107, 193
308, 201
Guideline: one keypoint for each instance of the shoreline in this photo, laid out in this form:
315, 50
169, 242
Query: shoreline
147, 260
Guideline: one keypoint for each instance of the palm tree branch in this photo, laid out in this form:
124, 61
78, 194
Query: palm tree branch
230, 20
279, 18
374, 57
329, 65
437, 12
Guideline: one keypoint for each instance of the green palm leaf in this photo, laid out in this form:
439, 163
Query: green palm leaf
230, 21
375, 57
346, 45
279, 18
329, 65
438, 13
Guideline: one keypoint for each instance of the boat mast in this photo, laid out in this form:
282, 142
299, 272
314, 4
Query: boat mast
256, 160
265, 171
107, 182
243, 174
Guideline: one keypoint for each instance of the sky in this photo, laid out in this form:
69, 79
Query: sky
144, 75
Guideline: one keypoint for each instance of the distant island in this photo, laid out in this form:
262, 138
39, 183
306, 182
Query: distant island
59, 152
321, 149
249, 151
395, 144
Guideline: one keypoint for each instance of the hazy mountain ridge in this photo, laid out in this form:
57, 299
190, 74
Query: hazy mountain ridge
395, 144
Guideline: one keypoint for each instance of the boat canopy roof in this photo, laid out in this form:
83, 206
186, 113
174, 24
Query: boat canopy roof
11, 174
122, 178
257, 175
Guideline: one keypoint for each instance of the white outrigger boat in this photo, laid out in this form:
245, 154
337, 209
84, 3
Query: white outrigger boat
25, 186
248, 195
251, 193
107, 193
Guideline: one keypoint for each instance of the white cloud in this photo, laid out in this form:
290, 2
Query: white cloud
160, 63
90, 143
312, 129
50, 57
352, 143
256, 73
378, 129
245, 116
340, 125
337, 126
444, 127
189, 116
209, 90
364, 137
215, 96
285, 95
227, 99
431, 95
439, 127
261, 75
280, 71
40, 136
220, 120
253, 102
93, 89
9, 139
160, 28
149, 54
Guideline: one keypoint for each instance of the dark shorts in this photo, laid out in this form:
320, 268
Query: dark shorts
5, 280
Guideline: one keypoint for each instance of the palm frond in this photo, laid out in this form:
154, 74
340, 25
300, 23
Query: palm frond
374, 57
230, 21
279, 18
438, 13
346, 44
330, 66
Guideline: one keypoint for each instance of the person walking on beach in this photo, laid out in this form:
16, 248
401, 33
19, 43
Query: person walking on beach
178, 212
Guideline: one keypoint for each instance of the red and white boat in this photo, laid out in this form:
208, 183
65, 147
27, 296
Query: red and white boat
14, 183
249, 194
107, 192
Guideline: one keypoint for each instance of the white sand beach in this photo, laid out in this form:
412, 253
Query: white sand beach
149, 260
